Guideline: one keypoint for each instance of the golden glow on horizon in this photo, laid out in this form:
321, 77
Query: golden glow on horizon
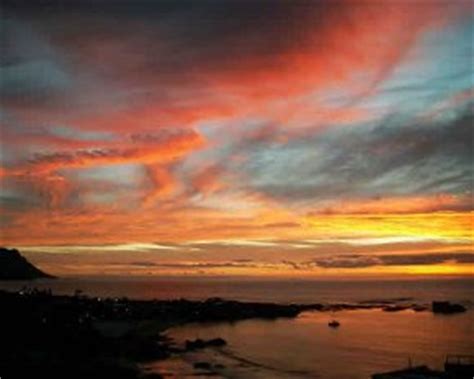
444, 269
330, 235
267, 270
427, 225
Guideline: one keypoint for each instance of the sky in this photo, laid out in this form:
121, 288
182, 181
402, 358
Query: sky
271, 138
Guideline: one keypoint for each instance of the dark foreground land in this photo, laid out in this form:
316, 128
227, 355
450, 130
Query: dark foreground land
45, 335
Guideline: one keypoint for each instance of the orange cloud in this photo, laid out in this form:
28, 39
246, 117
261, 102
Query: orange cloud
405, 204
326, 55
162, 181
208, 180
145, 149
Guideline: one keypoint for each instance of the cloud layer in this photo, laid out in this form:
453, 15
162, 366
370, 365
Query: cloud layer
133, 122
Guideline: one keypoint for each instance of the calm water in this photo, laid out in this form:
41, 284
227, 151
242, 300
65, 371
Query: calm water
368, 341
282, 291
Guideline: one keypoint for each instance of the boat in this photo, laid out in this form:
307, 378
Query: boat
334, 324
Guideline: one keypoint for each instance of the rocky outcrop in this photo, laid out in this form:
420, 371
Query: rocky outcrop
13, 266
445, 307
202, 344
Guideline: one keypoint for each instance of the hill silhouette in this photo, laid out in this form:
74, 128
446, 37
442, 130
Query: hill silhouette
13, 266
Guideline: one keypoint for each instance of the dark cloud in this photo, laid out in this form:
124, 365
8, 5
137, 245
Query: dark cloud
347, 261
361, 261
206, 34
180, 43
239, 263
295, 265
390, 158
30, 70
344, 261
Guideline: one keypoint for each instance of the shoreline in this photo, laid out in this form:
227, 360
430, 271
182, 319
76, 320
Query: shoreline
118, 335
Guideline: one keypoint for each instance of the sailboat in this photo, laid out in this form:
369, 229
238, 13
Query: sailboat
334, 324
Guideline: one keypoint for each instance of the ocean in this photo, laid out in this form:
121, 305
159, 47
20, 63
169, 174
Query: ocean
367, 341
263, 290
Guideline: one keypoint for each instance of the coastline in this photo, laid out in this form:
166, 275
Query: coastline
368, 341
130, 332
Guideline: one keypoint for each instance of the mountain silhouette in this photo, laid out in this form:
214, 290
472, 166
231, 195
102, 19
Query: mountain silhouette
13, 266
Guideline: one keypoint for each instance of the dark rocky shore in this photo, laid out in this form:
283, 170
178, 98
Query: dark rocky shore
79, 336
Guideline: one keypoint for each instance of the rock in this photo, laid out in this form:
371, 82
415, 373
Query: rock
202, 365
217, 342
395, 308
201, 344
445, 307
419, 308
196, 344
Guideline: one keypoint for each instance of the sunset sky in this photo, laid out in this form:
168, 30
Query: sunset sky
267, 138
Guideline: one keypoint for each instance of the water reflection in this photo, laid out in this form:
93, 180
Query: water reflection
367, 341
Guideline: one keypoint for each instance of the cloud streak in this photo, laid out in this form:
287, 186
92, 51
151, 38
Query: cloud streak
362, 261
